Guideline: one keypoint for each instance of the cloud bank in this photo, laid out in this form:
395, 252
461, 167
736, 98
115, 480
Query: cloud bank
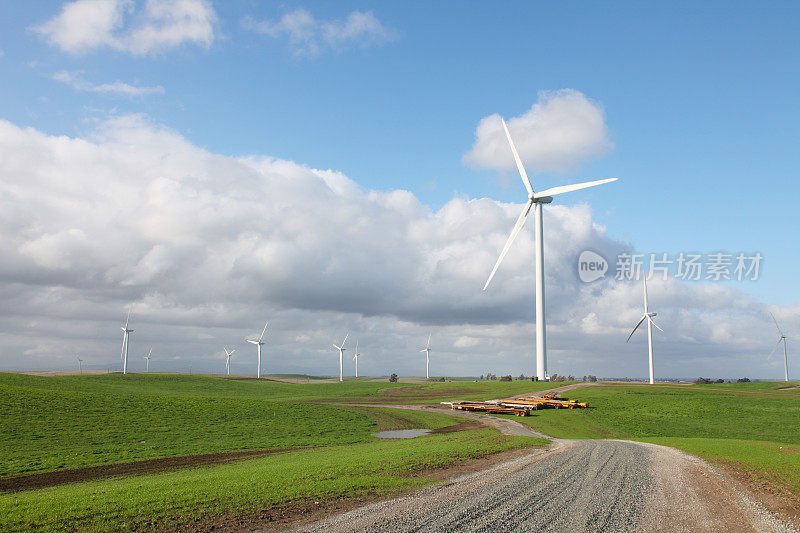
85, 25
208, 246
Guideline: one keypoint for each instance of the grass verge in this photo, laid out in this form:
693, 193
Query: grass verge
159, 501
758, 433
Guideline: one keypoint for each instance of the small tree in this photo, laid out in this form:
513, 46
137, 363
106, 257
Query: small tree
743, 380
702, 381
506, 378
720, 380
591, 379
393, 378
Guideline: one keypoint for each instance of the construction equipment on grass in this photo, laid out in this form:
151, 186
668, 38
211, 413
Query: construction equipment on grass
517, 406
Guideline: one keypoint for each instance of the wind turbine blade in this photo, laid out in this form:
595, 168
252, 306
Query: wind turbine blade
345, 339
776, 323
637, 327
569, 188
656, 325
522, 173
517, 227
429, 341
263, 330
127, 318
336, 347
644, 281
775, 348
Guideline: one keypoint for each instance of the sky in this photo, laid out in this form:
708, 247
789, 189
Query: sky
341, 167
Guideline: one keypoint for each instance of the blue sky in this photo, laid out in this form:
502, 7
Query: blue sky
699, 102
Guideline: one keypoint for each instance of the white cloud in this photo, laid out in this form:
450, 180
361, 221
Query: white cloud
209, 246
84, 25
74, 80
308, 36
563, 130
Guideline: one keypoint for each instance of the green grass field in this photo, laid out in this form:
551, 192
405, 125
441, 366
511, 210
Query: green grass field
162, 500
52, 423
746, 429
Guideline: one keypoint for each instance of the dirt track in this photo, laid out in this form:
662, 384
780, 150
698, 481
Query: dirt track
574, 486
146, 466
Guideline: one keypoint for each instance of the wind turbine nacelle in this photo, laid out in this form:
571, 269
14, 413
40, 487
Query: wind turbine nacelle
544, 199
652, 314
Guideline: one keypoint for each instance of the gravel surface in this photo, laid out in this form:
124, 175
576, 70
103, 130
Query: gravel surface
592, 485
581, 486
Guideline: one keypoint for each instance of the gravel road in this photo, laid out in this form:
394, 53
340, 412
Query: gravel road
593, 485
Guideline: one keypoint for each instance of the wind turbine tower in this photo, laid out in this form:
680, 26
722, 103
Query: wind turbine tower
649, 317
355, 357
785, 357
341, 355
427, 350
536, 201
259, 343
80, 365
125, 335
228, 360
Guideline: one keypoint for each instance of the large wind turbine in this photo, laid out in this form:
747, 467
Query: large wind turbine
80, 365
228, 360
355, 357
536, 201
341, 355
125, 334
785, 357
258, 343
649, 317
427, 350
147, 359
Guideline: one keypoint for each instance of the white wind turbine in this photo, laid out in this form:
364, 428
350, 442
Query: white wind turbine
536, 201
427, 350
125, 334
147, 359
785, 357
649, 317
341, 355
80, 365
355, 357
258, 343
228, 359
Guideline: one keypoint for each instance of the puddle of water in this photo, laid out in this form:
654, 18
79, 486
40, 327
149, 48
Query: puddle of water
402, 433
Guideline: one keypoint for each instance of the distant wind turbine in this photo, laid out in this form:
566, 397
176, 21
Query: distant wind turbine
80, 365
536, 201
427, 350
649, 317
228, 360
785, 357
147, 359
125, 335
355, 357
259, 343
341, 355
